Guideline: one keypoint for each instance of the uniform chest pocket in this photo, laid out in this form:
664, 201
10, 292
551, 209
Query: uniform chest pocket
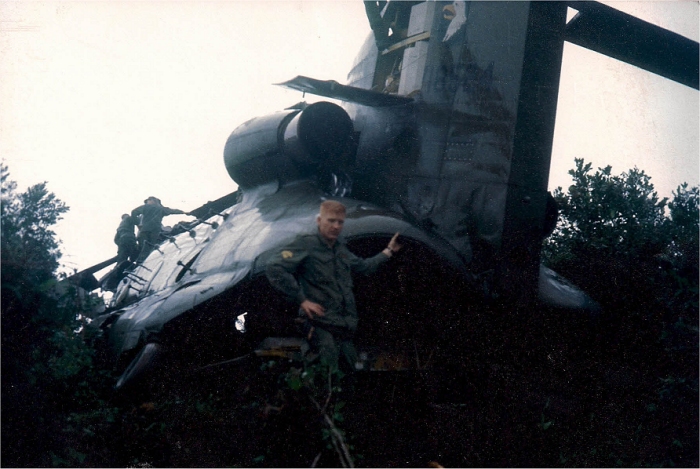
329, 270
322, 270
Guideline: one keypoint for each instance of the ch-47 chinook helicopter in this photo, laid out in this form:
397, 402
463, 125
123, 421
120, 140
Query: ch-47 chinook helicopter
444, 135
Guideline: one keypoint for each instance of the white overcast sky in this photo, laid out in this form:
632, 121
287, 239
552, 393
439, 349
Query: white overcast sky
113, 101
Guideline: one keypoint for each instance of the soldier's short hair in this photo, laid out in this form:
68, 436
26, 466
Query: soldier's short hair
332, 207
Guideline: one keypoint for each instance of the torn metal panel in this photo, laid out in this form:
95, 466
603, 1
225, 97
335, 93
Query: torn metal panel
333, 89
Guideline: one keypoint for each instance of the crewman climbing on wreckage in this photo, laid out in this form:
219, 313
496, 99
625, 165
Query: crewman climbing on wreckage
149, 216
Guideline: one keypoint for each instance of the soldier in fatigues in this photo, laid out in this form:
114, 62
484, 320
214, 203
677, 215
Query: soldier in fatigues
315, 271
126, 240
150, 216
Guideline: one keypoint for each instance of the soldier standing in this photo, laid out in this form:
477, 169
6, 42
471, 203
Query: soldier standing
149, 216
315, 271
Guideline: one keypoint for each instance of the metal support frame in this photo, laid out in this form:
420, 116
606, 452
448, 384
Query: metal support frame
532, 149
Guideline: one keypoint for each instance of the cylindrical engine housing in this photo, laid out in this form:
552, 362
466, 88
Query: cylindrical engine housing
287, 145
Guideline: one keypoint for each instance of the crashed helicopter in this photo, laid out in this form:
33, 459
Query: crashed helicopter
444, 135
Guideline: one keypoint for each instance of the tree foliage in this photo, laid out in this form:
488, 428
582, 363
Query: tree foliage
637, 255
615, 230
30, 253
41, 353
30, 250
619, 215
683, 230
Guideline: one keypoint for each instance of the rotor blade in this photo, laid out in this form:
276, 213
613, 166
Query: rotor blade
333, 89
623, 37
85, 278
94, 268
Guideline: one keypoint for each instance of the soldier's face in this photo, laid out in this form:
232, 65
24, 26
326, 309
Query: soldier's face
330, 225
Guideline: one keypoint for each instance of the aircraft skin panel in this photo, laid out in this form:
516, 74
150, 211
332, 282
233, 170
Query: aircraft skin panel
165, 264
477, 75
454, 173
478, 64
555, 290
185, 299
361, 74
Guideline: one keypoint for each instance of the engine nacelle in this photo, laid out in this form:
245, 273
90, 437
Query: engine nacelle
288, 145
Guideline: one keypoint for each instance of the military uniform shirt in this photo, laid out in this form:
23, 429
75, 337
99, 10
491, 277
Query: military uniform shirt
310, 269
152, 215
126, 228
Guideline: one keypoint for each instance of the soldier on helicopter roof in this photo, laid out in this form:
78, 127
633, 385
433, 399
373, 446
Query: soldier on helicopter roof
127, 249
149, 216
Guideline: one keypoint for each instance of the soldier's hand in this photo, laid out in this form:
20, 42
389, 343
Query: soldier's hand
394, 245
311, 308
